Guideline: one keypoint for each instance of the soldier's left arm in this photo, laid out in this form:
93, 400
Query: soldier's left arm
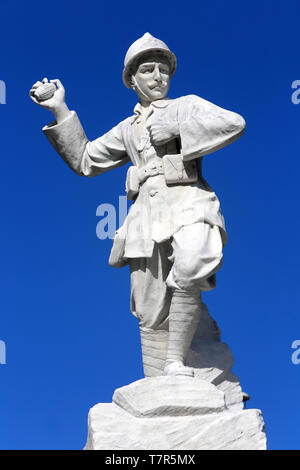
205, 127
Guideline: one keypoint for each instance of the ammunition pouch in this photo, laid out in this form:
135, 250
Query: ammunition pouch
175, 170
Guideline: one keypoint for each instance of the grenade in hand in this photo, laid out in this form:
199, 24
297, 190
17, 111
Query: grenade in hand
45, 91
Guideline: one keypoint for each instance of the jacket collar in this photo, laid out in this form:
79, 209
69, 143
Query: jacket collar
156, 104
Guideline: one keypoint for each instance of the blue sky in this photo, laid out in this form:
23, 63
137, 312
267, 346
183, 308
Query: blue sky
70, 338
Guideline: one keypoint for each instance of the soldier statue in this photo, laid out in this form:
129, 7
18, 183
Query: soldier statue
174, 233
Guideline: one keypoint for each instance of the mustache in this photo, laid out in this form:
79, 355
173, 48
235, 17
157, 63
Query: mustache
162, 84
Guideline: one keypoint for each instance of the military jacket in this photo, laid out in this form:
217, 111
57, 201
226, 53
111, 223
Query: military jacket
159, 209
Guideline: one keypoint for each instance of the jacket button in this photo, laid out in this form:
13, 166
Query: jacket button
152, 192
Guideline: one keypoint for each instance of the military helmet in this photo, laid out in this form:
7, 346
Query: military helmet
145, 44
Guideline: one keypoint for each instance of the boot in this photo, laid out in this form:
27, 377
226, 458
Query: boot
184, 317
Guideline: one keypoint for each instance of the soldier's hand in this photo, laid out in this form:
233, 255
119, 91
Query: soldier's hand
162, 131
56, 101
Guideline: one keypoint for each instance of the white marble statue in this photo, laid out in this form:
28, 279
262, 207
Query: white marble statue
174, 233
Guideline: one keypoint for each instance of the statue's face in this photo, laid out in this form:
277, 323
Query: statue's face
151, 80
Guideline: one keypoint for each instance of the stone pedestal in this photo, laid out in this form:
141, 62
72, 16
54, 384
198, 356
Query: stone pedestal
180, 413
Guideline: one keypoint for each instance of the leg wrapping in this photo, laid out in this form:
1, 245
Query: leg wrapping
183, 321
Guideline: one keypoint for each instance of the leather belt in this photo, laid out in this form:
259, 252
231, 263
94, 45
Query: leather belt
154, 169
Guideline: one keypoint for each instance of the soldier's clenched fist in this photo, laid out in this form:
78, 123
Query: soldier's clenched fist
56, 100
162, 131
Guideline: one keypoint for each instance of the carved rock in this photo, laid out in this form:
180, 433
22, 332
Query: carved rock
168, 413
209, 356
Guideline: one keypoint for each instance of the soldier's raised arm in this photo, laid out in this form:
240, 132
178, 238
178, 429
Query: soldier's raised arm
67, 136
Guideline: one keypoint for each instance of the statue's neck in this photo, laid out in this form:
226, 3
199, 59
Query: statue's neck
145, 104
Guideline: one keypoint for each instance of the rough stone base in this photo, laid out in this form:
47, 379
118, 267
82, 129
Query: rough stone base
165, 413
211, 359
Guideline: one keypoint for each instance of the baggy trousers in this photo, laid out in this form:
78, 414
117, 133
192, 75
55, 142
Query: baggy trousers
187, 262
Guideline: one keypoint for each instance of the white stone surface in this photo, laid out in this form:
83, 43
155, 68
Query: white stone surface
174, 233
211, 359
173, 239
177, 413
170, 396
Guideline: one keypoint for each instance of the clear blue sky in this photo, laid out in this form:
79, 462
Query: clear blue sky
65, 318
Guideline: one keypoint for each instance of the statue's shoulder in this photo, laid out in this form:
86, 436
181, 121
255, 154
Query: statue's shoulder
197, 104
180, 101
188, 100
124, 123
189, 97
183, 99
